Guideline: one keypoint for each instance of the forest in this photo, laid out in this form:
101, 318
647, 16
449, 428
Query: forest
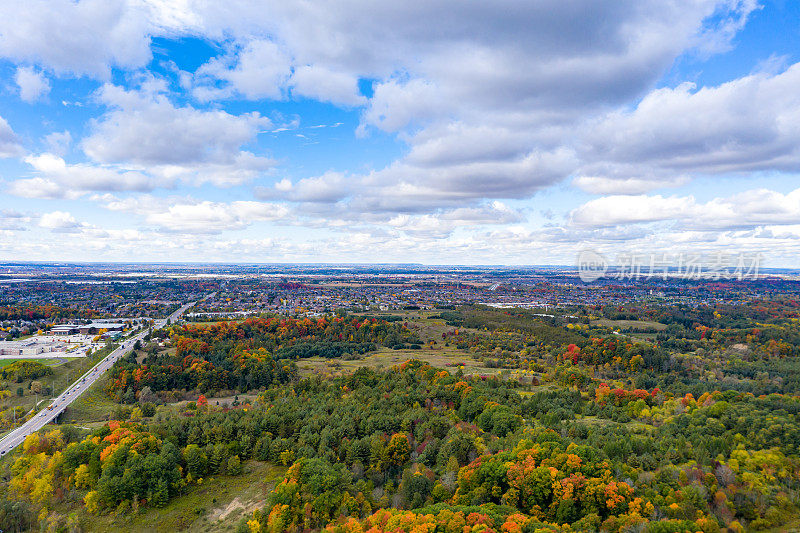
589, 429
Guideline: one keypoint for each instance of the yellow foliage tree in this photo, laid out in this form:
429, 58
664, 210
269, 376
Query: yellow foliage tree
92, 501
82, 477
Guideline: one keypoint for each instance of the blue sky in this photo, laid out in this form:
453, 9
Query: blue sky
511, 132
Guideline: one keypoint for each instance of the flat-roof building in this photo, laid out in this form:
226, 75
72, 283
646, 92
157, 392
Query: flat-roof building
21, 348
65, 329
95, 327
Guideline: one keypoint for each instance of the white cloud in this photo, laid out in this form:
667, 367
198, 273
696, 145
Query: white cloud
748, 124
626, 185
32, 84
746, 210
260, 70
9, 142
85, 37
57, 179
627, 209
144, 129
204, 217
320, 83
407, 188
330, 187
440, 225
397, 104
59, 221
58, 142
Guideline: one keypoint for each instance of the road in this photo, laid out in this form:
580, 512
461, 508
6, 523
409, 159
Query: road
59, 404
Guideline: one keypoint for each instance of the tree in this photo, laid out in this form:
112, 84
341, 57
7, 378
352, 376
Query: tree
398, 449
82, 477
148, 409
160, 494
92, 501
195, 460
234, 466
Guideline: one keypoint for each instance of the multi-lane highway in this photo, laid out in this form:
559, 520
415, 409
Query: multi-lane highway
57, 406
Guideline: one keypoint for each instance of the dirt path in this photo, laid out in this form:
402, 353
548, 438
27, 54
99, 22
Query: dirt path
222, 513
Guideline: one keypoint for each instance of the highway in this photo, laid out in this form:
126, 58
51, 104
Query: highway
59, 404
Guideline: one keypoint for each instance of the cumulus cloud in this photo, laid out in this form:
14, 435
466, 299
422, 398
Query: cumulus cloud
627, 185
408, 188
185, 215
32, 84
750, 209
330, 187
442, 224
320, 83
57, 179
144, 129
748, 124
260, 70
86, 37
493, 102
59, 221
397, 104
214, 217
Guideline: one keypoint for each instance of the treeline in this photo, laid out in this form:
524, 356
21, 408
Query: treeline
20, 371
40, 312
219, 370
326, 349
247, 355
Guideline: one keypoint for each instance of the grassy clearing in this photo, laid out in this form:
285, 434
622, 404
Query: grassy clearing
644, 325
216, 506
427, 326
49, 361
448, 358
94, 405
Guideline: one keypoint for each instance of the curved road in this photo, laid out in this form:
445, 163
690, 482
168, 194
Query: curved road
57, 406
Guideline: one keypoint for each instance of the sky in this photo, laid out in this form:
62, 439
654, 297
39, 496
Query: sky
505, 132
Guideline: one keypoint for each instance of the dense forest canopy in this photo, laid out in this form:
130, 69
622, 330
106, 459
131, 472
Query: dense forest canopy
581, 426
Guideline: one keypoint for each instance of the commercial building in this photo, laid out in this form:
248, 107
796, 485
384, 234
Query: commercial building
87, 329
65, 329
22, 348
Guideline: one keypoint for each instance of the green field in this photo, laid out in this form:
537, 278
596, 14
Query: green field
94, 405
49, 362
